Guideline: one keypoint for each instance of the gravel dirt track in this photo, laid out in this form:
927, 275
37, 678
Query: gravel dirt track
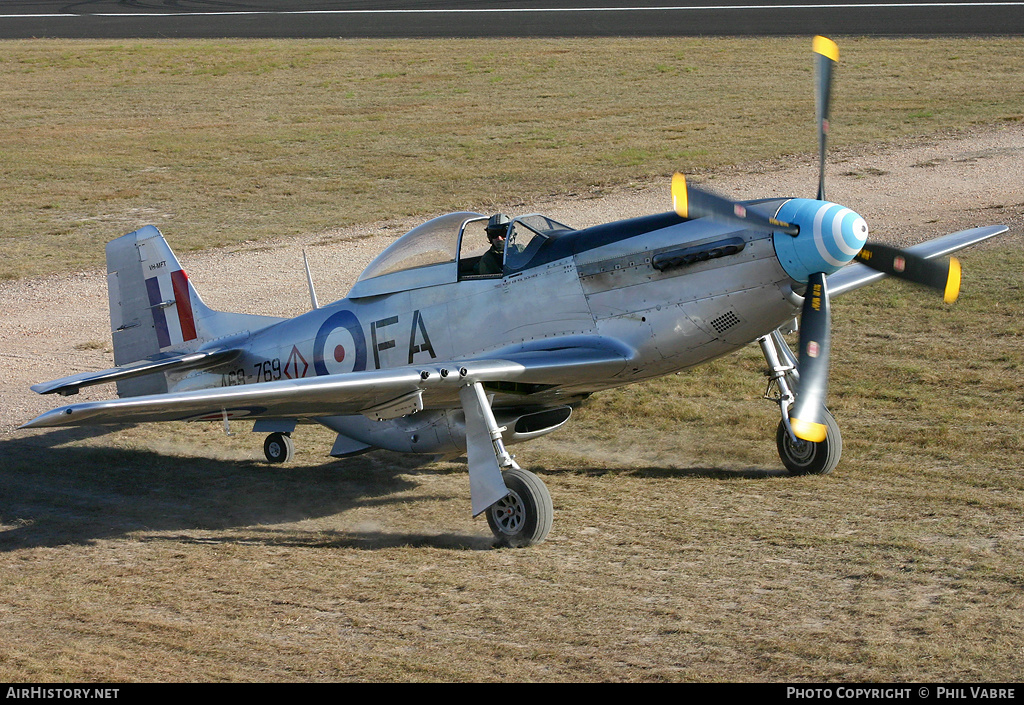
58, 325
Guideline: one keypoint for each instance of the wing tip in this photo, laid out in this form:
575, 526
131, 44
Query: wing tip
44, 420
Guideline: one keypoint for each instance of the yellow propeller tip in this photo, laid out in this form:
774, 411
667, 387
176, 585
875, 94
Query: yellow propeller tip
826, 47
679, 199
952, 281
808, 430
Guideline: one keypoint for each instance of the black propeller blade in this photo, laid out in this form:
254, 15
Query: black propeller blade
815, 345
805, 417
691, 202
941, 275
826, 57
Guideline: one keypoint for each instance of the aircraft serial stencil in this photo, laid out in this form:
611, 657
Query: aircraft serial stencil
433, 351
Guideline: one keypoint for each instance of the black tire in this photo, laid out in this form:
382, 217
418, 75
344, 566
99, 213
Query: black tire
809, 458
279, 448
524, 516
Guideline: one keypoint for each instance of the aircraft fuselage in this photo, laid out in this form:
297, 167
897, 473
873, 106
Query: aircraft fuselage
723, 291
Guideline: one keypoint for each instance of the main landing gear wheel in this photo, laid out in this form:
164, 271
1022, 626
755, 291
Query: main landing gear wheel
807, 457
524, 516
279, 448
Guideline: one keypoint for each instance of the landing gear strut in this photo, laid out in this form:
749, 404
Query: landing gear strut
515, 501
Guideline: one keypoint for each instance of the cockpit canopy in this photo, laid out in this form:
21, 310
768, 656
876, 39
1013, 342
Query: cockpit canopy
424, 256
437, 251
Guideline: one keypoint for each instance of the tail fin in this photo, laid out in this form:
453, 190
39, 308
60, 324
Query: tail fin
155, 309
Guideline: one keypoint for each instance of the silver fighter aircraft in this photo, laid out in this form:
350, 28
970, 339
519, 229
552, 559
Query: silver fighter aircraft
432, 353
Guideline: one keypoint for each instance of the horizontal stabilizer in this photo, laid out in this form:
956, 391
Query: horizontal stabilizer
157, 363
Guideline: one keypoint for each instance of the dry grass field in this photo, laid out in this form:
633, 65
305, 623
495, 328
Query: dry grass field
224, 142
681, 551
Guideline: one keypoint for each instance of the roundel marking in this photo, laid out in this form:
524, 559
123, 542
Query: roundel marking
356, 340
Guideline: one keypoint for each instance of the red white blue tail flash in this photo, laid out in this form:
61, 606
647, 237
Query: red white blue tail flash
172, 308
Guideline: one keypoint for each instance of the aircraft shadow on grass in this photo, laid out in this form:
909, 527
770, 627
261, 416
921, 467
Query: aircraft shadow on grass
54, 493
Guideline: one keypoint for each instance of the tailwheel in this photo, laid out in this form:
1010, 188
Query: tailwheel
809, 458
279, 448
524, 516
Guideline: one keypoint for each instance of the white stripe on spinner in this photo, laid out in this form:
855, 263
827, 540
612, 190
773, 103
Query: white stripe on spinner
837, 231
819, 239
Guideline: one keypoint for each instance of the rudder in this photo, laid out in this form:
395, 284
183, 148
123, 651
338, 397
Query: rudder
154, 309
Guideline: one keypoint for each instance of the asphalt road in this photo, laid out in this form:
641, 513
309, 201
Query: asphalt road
496, 18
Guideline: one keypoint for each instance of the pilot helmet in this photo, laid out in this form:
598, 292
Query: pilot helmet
497, 225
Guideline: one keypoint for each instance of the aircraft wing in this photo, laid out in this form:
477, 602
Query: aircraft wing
378, 394
854, 276
159, 363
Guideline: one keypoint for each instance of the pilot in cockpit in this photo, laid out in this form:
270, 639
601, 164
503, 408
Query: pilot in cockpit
497, 231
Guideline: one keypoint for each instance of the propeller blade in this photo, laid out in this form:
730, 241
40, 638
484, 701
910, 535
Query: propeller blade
941, 275
815, 336
826, 57
691, 202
